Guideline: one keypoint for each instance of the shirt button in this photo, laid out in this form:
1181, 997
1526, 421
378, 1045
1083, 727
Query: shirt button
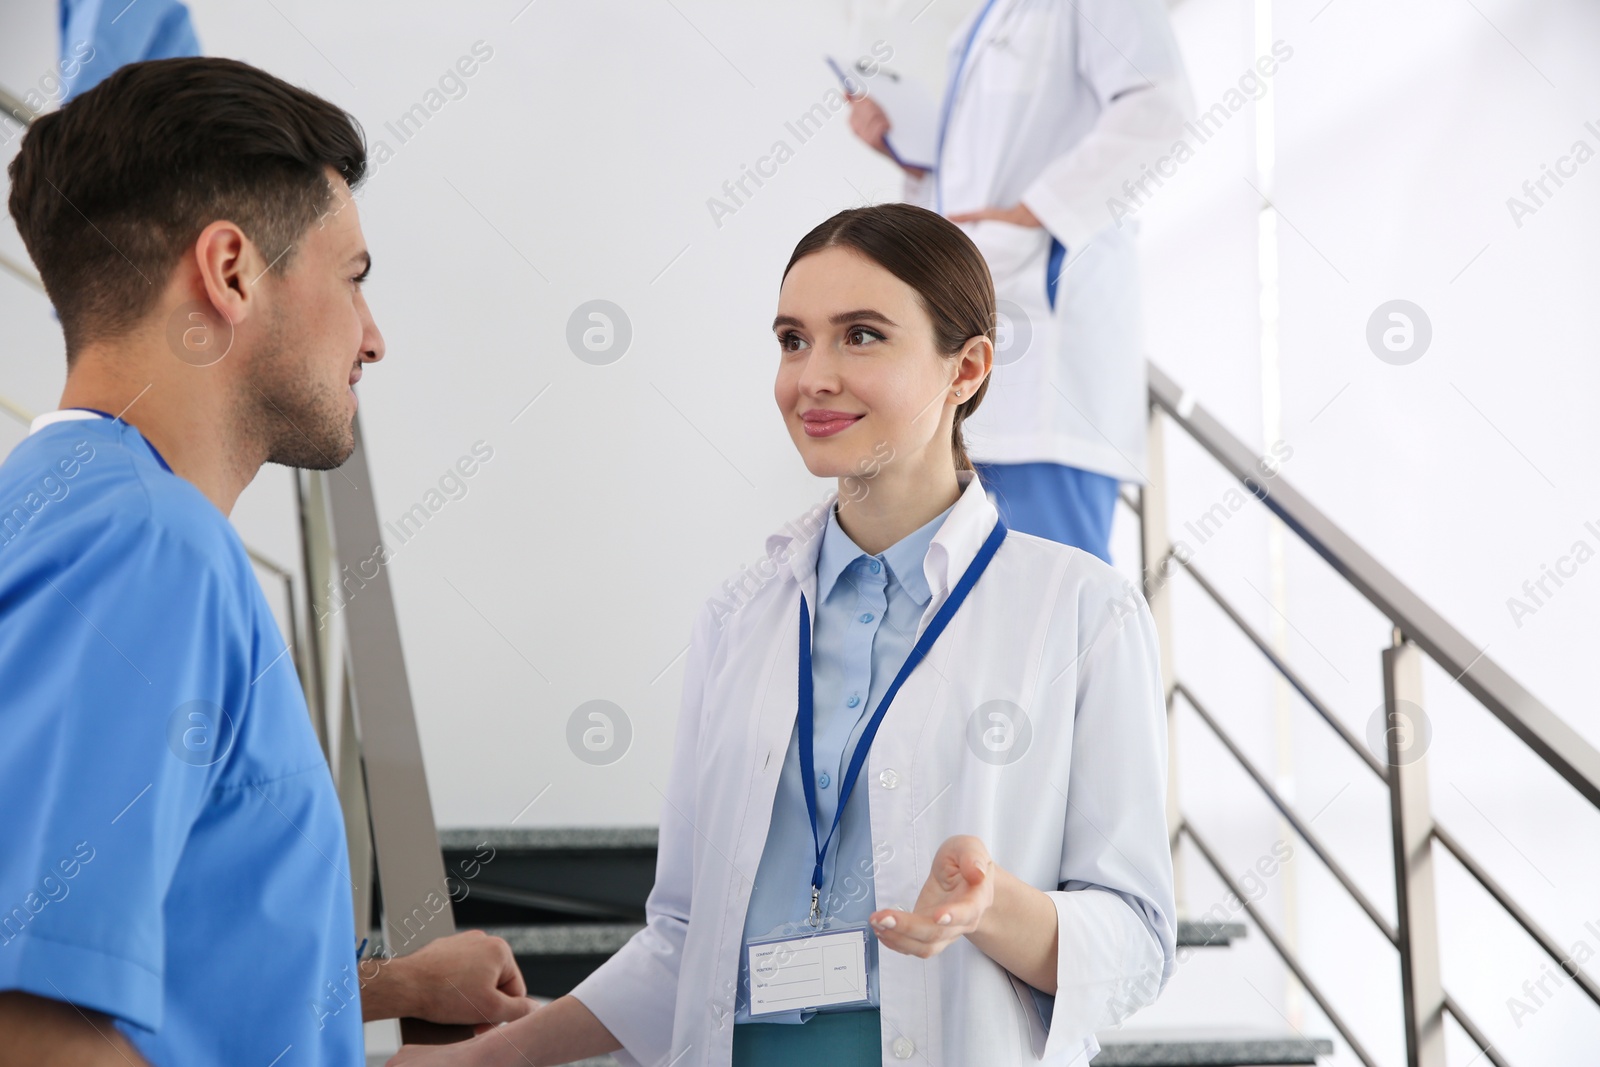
823, 779
888, 779
866, 616
876, 566
902, 1048
853, 701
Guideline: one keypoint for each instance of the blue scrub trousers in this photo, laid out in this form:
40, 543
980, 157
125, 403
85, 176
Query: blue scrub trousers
827, 1039
1054, 501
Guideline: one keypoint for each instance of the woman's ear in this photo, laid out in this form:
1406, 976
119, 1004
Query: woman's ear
976, 361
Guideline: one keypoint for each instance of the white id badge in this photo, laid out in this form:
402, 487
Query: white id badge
814, 971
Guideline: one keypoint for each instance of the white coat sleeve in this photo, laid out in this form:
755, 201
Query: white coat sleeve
1128, 56
1117, 933
634, 993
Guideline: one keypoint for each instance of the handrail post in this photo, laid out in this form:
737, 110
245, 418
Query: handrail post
317, 564
1405, 737
327, 685
411, 874
1155, 549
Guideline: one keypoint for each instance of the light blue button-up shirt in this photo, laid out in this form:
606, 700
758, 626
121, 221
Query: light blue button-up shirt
867, 615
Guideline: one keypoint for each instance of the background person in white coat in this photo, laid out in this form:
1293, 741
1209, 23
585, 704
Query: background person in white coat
1051, 109
1008, 843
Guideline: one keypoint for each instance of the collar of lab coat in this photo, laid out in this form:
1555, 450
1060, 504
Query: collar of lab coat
955, 546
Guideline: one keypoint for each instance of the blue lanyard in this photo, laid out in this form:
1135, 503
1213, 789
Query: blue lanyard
859, 758
949, 104
107, 415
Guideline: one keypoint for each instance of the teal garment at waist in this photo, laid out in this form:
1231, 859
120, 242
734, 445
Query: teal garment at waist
836, 1039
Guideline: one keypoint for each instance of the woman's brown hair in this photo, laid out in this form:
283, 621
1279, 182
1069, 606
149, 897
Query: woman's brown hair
938, 260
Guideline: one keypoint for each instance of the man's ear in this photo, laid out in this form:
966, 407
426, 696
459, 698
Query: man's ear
230, 269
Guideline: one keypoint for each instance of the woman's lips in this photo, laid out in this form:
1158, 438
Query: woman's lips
827, 423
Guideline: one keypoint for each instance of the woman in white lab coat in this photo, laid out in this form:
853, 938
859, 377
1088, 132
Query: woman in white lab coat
1056, 119
1001, 882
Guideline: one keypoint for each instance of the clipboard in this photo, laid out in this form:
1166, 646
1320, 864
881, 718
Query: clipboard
913, 137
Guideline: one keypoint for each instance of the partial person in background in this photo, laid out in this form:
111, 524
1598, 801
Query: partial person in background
1051, 109
173, 868
105, 35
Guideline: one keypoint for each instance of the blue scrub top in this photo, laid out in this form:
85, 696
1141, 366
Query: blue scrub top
172, 851
868, 611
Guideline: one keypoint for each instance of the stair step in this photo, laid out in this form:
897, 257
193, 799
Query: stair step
1176, 1048
1206, 1047
533, 838
603, 939
566, 939
1201, 933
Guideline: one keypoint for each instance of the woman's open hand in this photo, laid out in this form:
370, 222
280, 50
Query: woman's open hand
959, 890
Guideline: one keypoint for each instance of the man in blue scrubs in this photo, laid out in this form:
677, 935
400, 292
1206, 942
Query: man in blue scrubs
174, 885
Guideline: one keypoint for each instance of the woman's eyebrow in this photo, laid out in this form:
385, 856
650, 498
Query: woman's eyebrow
859, 315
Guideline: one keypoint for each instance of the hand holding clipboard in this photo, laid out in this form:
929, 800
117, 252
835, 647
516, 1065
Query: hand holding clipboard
892, 114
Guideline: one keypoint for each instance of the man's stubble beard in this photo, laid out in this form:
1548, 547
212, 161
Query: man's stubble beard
299, 423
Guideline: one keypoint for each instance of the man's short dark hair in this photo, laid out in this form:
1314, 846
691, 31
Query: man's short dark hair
112, 189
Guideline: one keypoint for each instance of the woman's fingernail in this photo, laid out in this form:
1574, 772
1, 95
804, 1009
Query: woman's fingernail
944, 920
886, 923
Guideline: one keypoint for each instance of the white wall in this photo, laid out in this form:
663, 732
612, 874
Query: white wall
578, 165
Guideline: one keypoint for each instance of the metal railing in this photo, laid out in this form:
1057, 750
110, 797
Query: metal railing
1418, 631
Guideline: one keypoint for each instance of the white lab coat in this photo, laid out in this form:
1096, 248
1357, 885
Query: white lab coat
1050, 629
1059, 104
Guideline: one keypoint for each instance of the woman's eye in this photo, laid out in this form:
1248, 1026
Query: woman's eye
788, 341
860, 331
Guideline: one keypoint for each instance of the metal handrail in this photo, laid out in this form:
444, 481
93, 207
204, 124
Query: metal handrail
1417, 628
1290, 960
1524, 920
1284, 952
1545, 941
1300, 827
15, 410
1552, 740
22, 273
1479, 1038
1288, 673
15, 108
